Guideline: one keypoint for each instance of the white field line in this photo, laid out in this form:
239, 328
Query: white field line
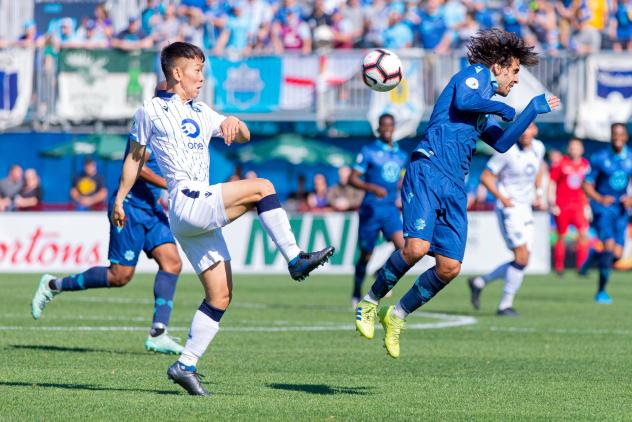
443, 321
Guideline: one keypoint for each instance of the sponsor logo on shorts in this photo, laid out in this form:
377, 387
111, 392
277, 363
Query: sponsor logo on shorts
129, 255
420, 224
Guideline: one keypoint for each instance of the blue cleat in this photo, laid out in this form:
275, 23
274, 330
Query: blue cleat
305, 262
603, 298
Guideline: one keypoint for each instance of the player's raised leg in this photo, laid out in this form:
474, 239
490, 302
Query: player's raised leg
243, 195
169, 267
218, 286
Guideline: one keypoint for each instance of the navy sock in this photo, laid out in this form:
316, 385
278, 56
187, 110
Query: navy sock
93, 278
212, 312
424, 289
358, 277
606, 259
388, 276
164, 290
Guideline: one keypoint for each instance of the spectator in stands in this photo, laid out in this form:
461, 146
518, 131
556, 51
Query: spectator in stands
66, 36
297, 200
259, 14
215, 18
397, 35
622, 25
566, 11
234, 36
132, 37
193, 28
343, 196
354, 14
30, 37
88, 190
376, 18
291, 33
30, 196
167, 30
543, 23
318, 199
465, 31
343, 32
150, 16
587, 39
102, 21
433, 31
318, 16
515, 15
89, 37
10, 186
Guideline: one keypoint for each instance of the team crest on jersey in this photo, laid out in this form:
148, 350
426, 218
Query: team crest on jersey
190, 128
472, 83
390, 172
618, 180
530, 170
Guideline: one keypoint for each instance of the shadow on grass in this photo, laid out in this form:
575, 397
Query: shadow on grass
321, 389
88, 387
51, 348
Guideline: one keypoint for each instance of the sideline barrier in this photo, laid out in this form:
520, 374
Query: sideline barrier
66, 242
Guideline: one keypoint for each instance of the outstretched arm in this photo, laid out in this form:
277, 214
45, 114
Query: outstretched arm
501, 140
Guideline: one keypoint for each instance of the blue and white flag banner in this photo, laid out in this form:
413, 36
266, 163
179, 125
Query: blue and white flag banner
16, 84
608, 96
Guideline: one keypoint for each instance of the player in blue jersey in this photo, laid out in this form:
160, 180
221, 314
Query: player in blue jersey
147, 230
380, 164
433, 193
606, 186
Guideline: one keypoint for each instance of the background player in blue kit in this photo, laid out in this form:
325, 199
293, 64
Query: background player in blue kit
380, 164
433, 193
147, 230
606, 186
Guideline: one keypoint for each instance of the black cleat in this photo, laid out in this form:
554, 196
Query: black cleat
475, 294
189, 380
509, 312
306, 262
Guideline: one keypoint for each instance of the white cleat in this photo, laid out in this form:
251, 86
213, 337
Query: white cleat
42, 296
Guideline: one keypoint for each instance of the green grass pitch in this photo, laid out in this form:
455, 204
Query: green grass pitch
288, 352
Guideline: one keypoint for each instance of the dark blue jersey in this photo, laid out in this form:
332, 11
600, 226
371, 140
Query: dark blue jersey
143, 194
461, 114
381, 165
611, 172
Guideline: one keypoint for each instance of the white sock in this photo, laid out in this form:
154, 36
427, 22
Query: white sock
369, 297
399, 312
202, 332
57, 283
478, 282
499, 272
513, 280
277, 225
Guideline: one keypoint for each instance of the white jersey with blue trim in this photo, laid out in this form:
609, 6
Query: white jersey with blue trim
179, 134
516, 171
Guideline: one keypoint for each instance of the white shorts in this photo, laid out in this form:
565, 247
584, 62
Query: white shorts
516, 225
196, 216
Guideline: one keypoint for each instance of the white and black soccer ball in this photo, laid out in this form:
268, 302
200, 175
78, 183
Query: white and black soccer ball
381, 70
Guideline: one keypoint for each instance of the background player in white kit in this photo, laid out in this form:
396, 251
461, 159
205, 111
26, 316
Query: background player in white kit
179, 131
514, 178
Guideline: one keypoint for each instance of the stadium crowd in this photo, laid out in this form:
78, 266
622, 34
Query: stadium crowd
276, 26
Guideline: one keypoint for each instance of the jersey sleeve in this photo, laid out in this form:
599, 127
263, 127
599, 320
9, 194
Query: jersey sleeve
361, 163
141, 127
496, 163
594, 168
215, 120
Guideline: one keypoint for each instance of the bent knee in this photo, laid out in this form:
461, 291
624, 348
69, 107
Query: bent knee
172, 266
447, 271
414, 251
265, 187
120, 279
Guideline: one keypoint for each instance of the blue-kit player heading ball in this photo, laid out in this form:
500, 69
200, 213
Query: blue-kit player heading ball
377, 172
606, 186
433, 192
147, 230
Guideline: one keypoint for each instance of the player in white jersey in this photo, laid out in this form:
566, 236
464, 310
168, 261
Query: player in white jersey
179, 130
514, 178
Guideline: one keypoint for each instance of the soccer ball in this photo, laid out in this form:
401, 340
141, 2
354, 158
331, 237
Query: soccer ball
381, 70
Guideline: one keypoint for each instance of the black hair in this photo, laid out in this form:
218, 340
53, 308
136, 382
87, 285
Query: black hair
178, 50
495, 46
614, 125
385, 116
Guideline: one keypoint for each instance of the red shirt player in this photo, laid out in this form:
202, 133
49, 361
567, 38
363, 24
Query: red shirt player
570, 203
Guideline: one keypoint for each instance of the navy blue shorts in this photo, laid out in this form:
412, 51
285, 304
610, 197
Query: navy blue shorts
376, 219
610, 223
434, 209
144, 230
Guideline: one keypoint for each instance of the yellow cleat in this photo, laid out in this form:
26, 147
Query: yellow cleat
393, 327
365, 318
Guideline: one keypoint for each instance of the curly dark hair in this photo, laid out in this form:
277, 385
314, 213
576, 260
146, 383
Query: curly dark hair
495, 46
